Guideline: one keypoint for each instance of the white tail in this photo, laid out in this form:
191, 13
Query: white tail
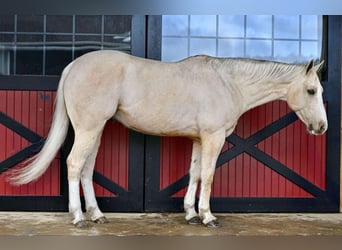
39, 163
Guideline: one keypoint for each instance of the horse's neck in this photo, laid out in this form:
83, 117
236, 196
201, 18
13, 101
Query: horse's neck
257, 84
261, 92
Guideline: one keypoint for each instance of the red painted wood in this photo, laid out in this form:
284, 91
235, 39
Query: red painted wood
175, 167
244, 176
3, 137
112, 158
33, 110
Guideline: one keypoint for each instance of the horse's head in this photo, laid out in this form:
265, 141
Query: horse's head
305, 98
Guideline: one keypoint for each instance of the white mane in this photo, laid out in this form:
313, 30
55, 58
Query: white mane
256, 70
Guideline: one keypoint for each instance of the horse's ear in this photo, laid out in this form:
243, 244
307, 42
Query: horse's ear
319, 66
309, 66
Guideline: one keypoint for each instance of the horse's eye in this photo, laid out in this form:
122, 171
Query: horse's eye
311, 91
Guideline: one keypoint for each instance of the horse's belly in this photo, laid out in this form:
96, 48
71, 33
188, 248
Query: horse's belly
157, 123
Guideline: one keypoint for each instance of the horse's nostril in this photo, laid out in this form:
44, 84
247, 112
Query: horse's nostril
322, 127
310, 127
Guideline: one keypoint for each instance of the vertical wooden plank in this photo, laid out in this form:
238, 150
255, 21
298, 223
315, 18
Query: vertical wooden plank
188, 159
3, 140
275, 151
55, 172
297, 154
123, 162
253, 176
232, 178
261, 146
317, 161
254, 163
289, 157
39, 185
169, 166
167, 170
283, 154
17, 105
246, 158
179, 161
320, 161
224, 176
106, 168
239, 165
170, 163
48, 118
110, 168
224, 180
25, 107
184, 164
9, 134
121, 155
55, 177
121, 177
46, 178
216, 190
164, 159
310, 168
110, 152
33, 111
304, 154
239, 176
173, 161
268, 148
33, 104
46, 175
324, 162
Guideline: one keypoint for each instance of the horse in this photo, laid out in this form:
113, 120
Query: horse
200, 97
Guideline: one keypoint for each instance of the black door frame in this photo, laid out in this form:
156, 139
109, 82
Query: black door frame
323, 201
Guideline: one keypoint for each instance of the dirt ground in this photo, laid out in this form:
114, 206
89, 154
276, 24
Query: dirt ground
172, 224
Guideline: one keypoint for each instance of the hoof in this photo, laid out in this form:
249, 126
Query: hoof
82, 224
101, 220
213, 224
195, 221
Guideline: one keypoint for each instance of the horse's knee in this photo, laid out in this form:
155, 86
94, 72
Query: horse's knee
74, 169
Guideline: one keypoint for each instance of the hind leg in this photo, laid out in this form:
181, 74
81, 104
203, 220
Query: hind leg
88, 189
84, 145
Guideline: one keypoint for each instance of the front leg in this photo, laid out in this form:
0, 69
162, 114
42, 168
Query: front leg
191, 215
211, 147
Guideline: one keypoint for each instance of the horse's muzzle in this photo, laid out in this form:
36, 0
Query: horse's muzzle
321, 128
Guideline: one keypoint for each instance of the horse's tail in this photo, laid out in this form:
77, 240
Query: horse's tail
38, 164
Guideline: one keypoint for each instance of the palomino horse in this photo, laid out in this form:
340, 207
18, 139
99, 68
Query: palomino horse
200, 97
